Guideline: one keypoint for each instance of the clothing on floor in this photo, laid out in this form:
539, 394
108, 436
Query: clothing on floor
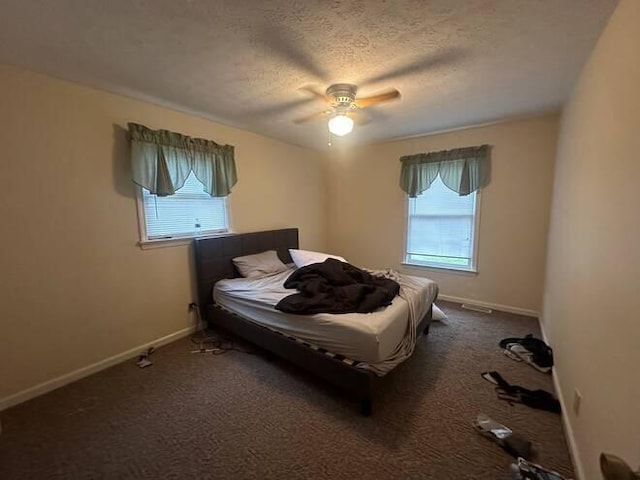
523, 470
531, 350
539, 399
514, 444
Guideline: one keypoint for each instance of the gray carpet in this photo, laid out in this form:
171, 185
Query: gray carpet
240, 416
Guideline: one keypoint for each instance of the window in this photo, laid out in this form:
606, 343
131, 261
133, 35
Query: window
179, 214
442, 229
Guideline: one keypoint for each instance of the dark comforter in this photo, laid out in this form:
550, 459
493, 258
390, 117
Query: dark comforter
336, 287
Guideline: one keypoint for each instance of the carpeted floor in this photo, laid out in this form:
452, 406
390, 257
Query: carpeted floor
240, 416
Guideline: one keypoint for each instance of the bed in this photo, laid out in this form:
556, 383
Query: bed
341, 349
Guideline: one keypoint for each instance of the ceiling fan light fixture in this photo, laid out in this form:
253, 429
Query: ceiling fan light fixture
340, 125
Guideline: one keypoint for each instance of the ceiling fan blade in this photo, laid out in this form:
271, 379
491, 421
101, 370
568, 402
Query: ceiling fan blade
315, 116
446, 57
315, 92
365, 102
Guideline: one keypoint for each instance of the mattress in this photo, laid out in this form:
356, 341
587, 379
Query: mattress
366, 337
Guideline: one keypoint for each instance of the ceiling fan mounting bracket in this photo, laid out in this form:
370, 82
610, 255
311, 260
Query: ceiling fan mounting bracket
342, 95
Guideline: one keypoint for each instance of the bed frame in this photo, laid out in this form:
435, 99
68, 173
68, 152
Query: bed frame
213, 262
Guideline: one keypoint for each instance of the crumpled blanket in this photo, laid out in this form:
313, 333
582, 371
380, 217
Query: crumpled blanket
336, 287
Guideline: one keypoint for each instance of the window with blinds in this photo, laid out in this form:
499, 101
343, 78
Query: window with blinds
189, 212
442, 228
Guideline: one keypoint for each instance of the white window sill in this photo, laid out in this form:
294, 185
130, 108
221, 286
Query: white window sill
164, 242
174, 241
450, 269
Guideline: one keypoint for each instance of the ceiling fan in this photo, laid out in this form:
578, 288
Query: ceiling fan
344, 106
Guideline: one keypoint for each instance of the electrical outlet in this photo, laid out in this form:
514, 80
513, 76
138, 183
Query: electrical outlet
577, 401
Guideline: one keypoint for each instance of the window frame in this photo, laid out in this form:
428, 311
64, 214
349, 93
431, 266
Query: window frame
472, 269
146, 243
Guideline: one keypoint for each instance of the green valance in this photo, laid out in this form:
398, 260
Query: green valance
463, 170
162, 161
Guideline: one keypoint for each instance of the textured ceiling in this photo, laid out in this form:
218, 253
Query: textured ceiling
241, 62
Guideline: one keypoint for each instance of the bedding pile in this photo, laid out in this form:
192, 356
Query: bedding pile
334, 286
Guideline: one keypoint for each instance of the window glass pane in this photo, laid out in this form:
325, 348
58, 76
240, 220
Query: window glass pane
441, 227
175, 215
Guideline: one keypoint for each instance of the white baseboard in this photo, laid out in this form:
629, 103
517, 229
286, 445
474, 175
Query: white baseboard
494, 306
67, 378
578, 469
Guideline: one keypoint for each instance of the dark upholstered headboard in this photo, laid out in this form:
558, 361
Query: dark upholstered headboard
213, 255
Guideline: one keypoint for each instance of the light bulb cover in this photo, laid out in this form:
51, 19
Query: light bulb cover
340, 125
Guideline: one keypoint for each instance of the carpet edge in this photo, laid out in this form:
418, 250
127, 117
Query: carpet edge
62, 380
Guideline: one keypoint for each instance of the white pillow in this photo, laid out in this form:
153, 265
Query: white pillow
260, 264
302, 258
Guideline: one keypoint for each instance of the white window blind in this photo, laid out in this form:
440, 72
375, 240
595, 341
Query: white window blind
177, 215
441, 228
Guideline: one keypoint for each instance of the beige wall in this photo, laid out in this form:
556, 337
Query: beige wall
368, 209
74, 287
592, 290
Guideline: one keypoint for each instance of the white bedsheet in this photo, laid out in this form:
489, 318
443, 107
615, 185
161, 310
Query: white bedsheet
368, 337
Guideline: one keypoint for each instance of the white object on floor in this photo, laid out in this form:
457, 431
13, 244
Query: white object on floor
437, 315
143, 362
